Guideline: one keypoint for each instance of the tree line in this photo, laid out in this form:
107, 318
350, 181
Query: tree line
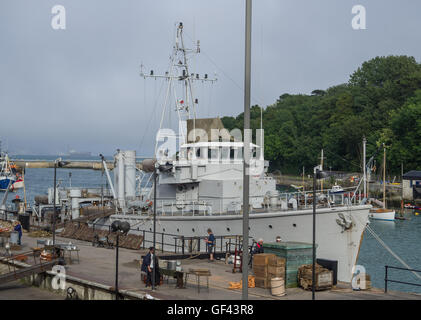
381, 101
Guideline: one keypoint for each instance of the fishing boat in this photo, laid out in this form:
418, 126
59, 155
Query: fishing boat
7, 172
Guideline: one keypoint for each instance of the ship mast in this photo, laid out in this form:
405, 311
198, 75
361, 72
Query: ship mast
179, 72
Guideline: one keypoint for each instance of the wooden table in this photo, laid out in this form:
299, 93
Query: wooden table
179, 275
199, 273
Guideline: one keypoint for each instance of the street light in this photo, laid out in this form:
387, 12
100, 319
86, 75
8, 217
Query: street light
57, 163
118, 227
318, 174
156, 166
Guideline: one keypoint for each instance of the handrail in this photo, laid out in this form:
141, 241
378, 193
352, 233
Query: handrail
386, 279
161, 236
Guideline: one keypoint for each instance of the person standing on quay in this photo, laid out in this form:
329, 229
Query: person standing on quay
210, 240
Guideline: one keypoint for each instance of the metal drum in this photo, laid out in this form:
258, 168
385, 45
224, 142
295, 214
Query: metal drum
171, 264
14, 237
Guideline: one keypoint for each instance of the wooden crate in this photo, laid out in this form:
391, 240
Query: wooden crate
275, 271
262, 259
324, 277
277, 261
260, 271
262, 282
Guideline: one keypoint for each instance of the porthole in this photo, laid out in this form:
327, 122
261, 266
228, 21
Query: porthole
270, 226
163, 230
294, 225
178, 230
228, 229
192, 229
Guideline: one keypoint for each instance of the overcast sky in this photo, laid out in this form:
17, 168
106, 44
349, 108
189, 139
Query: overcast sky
80, 88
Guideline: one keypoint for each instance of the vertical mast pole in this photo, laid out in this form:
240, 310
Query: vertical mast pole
246, 153
321, 168
384, 176
364, 167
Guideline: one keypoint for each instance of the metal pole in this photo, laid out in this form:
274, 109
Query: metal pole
246, 153
385, 280
154, 228
116, 266
384, 177
364, 166
54, 203
313, 275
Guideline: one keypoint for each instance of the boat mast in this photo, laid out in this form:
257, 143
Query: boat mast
179, 71
364, 167
384, 176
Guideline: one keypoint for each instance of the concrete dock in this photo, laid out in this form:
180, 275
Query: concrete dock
97, 265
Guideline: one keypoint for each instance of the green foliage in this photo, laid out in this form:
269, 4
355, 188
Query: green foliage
381, 101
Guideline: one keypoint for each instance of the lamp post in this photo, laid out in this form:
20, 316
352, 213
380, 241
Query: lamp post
118, 227
318, 174
246, 153
154, 224
57, 163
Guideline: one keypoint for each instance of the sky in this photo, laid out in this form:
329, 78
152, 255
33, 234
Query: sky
80, 88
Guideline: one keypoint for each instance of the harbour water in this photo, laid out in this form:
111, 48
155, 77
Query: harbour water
402, 236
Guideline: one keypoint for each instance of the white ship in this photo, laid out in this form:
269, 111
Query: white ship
200, 185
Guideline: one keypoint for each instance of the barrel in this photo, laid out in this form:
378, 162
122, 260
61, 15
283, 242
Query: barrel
171, 265
277, 286
14, 237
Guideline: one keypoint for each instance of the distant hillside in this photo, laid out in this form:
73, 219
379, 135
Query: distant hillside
382, 101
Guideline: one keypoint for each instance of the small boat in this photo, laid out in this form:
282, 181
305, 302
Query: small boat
382, 214
18, 184
7, 172
336, 189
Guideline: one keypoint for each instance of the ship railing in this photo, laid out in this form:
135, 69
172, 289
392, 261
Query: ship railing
387, 279
327, 198
286, 201
168, 242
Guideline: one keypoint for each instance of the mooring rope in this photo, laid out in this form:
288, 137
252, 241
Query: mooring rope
384, 245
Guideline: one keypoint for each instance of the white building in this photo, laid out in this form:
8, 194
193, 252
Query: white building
411, 186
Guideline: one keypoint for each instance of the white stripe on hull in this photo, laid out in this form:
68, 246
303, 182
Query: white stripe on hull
333, 244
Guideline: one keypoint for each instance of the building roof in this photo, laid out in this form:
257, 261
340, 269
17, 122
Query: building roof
412, 175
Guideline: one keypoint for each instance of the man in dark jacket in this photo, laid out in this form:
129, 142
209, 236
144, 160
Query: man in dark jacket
18, 228
150, 261
259, 247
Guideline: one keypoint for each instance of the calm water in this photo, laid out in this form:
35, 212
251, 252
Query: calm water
402, 236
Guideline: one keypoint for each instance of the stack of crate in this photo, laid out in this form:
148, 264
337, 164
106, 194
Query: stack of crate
267, 266
323, 277
276, 268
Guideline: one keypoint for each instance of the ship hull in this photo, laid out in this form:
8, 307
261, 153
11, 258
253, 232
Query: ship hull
333, 242
4, 183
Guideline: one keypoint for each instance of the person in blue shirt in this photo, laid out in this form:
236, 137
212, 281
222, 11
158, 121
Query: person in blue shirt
18, 228
210, 241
